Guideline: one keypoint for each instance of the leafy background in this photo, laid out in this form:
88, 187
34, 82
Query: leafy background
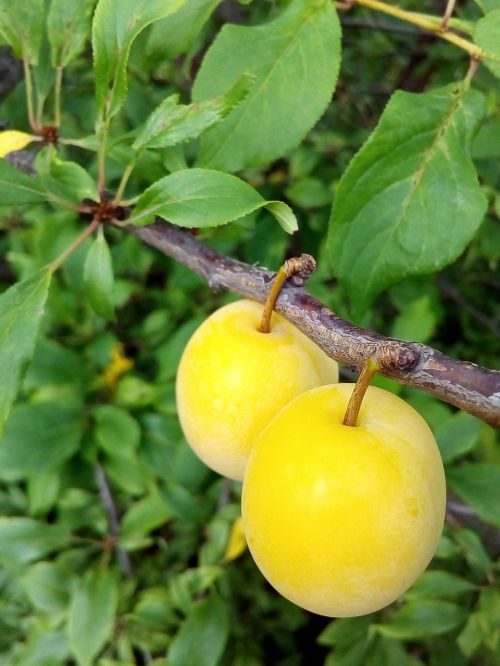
166, 580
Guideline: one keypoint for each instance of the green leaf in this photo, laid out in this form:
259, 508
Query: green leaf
67, 180
43, 74
43, 490
439, 585
488, 5
171, 122
409, 201
473, 550
68, 27
418, 619
483, 626
117, 432
127, 473
188, 585
472, 634
295, 59
21, 309
343, 632
205, 198
388, 652
203, 635
309, 193
22, 25
55, 365
116, 24
417, 322
284, 215
38, 436
170, 353
92, 614
23, 540
16, 188
487, 36
48, 587
98, 277
184, 505
457, 435
478, 484
44, 647
145, 516
355, 654
173, 36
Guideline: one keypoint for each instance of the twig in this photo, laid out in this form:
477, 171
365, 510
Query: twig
114, 524
421, 21
88, 231
452, 292
463, 384
373, 24
450, 6
114, 527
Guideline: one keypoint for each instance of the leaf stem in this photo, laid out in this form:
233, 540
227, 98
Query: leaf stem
101, 161
303, 265
76, 243
129, 202
29, 96
450, 6
370, 369
422, 21
57, 96
101, 153
123, 183
70, 205
474, 64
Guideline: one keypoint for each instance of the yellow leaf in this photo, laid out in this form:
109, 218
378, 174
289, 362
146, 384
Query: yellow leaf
12, 140
118, 365
236, 543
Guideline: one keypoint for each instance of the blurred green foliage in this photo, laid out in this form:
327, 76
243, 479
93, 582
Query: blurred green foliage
113, 536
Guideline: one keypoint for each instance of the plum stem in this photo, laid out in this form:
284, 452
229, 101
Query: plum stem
302, 266
370, 369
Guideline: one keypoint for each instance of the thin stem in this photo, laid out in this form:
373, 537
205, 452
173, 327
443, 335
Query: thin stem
370, 369
467, 27
114, 523
304, 265
129, 202
40, 103
474, 64
29, 95
101, 155
279, 281
64, 203
450, 6
123, 183
422, 21
101, 161
57, 96
76, 243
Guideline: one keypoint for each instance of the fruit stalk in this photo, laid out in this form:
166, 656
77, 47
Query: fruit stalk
302, 266
370, 369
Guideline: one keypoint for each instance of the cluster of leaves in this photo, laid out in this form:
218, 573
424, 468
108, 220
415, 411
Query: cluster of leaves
117, 546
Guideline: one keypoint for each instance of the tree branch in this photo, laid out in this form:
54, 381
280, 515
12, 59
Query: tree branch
465, 385
114, 523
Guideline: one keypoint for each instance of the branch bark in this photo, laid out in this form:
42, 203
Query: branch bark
465, 385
